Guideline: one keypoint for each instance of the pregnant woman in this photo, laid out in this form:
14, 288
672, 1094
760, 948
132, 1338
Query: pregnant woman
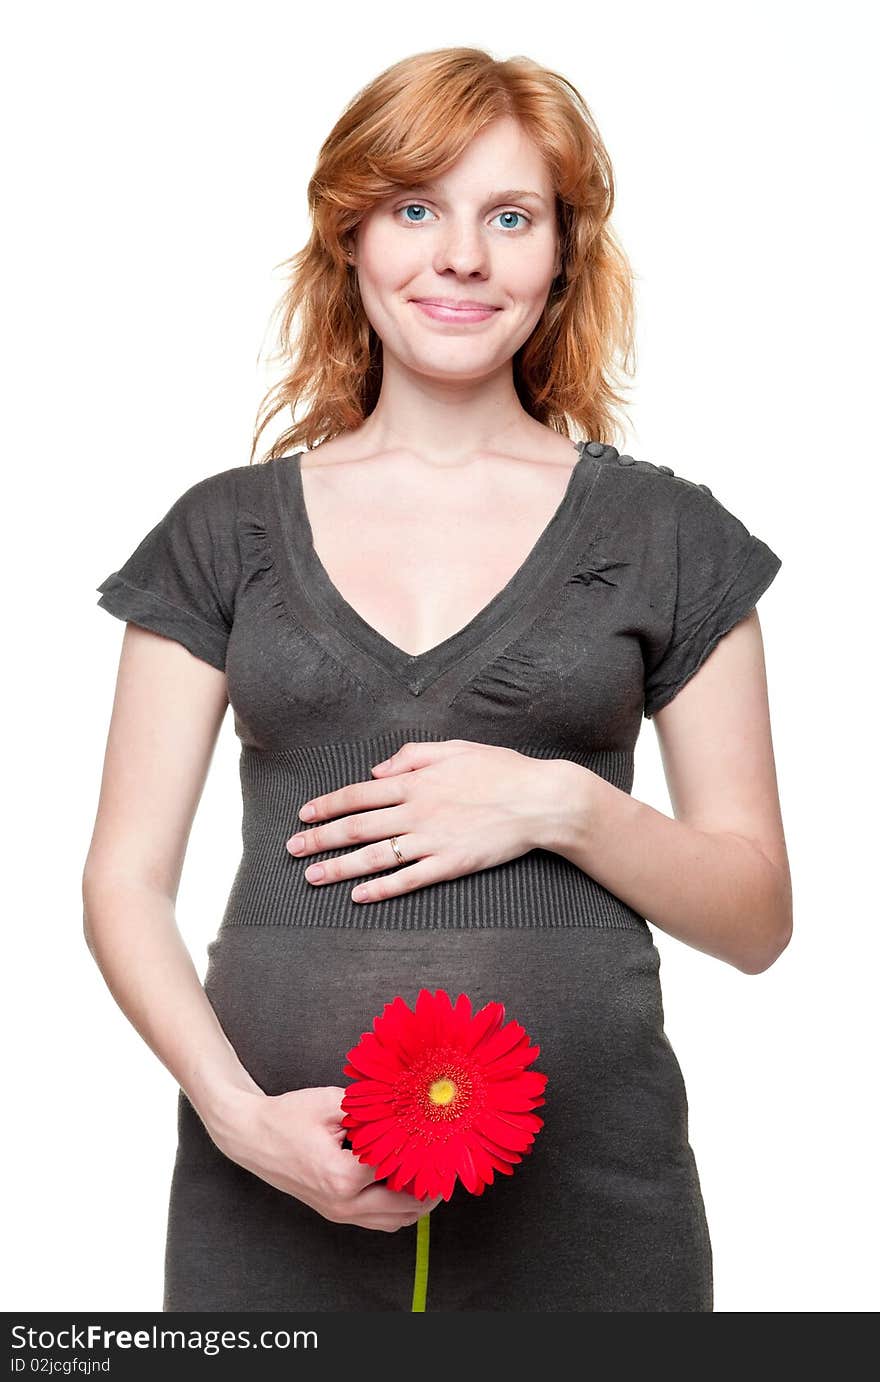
440, 620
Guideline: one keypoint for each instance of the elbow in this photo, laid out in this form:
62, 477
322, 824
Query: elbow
773, 936
89, 909
87, 933
85, 914
759, 960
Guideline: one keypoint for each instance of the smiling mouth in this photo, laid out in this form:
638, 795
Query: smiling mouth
457, 306
446, 311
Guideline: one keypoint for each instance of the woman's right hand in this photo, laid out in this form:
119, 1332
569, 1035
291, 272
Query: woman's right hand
294, 1142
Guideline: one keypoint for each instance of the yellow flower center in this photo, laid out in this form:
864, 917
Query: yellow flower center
442, 1092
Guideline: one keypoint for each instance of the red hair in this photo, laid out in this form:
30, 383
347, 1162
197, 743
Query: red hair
408, 125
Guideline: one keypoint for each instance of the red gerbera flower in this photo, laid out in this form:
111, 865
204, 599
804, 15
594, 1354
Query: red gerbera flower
441, 1094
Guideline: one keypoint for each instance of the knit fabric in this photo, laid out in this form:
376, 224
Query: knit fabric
626, 592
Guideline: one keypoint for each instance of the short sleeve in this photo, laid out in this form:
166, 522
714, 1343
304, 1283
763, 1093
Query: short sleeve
721, 570
182, 577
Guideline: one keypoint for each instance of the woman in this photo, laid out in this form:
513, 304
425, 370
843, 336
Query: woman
440, 628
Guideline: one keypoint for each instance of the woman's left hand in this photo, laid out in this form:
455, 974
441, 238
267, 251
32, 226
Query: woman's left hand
455, 806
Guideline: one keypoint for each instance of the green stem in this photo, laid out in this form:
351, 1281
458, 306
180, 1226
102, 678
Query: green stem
420, 1286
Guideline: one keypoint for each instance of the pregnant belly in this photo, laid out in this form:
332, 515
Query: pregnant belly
605, 1213
293, 1000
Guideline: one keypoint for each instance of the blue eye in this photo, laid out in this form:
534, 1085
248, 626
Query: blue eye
414, 206
424, 212
511, 213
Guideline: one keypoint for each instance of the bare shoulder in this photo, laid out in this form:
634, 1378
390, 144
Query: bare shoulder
334, 451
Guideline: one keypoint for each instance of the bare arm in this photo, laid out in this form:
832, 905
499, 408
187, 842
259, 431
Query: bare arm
167, 713
166, 718
717, 876
132, 933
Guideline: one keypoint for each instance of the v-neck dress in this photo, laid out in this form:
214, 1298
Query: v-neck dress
628, 588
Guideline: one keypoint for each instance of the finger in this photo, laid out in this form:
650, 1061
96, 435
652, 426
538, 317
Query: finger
404, 1198
396, 1217
368, 826
418, 875
383, 1224
371, 859
413, 755
356, 796
378, 1199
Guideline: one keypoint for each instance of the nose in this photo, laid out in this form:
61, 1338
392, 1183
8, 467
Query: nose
462, 249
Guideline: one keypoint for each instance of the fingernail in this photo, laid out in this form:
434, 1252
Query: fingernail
297, 844
307, 813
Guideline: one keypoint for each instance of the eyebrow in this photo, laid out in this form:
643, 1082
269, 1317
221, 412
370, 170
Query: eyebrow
509, 194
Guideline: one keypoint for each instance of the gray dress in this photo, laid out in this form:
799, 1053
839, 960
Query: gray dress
629, 587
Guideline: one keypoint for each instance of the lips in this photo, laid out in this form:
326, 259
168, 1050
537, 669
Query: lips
456, 304
449, 312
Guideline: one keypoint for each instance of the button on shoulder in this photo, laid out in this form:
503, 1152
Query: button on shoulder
649, 468
642, 466
601, 449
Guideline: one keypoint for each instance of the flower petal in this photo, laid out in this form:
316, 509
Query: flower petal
482, 1160
391, 1140
365, 1113
411, 1159
370, 1057
486, 1021
509, 1096
498, 1043
361, 1134
369, 1089
427, 1182
461, 1020
499, 1162
505, 1133
397, 1026
466, 1168
443, 1011
431, 1016
528, 1082
517, 1058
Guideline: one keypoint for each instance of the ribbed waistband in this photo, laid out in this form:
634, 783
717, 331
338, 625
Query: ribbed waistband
538, 889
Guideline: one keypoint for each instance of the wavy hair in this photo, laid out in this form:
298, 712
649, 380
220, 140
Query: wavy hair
408, 125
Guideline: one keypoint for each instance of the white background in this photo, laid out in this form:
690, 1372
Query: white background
156, 164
